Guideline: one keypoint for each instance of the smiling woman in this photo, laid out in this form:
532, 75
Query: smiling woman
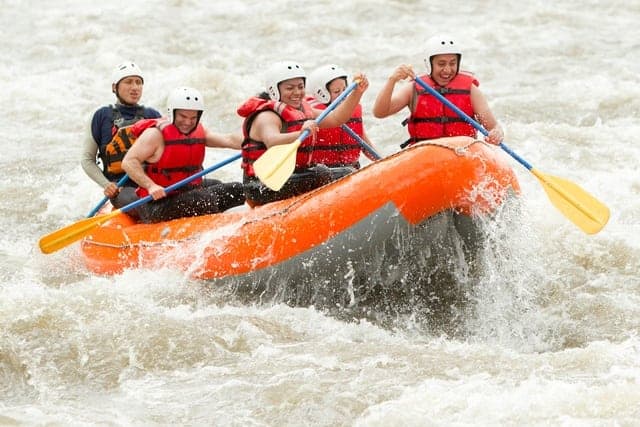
281, 116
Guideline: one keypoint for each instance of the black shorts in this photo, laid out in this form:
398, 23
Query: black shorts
212, 196
299, 183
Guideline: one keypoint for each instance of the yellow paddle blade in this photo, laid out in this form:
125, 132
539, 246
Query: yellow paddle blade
71, 233
580, 207
277, 164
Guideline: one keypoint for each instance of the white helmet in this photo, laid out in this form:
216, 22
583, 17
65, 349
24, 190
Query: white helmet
184, 98
279, 72
126, 69
441, 44
320, 79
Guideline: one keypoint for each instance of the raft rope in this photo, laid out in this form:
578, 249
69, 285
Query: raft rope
459, 150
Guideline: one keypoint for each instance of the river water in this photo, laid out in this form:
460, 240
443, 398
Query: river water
554, 336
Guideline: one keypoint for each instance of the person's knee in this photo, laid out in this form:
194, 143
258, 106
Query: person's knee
126, 196
230, 194
340, 172
256, 193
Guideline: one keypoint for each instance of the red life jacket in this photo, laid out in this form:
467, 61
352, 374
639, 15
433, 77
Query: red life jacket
182, 157
335, 147
292, 120
432, 119
140, 126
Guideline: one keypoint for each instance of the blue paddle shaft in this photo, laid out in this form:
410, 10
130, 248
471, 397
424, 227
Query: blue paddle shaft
469, 120
366, 147
119, 184
181, 183
305, 133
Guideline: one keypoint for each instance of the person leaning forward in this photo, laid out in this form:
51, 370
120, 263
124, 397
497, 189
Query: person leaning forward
279, 116
168, 151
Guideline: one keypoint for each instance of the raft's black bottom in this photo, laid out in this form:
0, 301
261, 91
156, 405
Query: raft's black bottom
382, 269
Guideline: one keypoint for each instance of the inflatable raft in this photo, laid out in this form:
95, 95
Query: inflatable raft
355, 226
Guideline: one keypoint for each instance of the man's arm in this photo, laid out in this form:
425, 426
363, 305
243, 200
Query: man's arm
389, 101
485, 116
224, 140
148, 148
88, 159
344, 111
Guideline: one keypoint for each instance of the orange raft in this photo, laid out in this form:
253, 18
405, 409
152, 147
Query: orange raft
353, 215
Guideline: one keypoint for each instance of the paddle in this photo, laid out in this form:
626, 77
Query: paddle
119, 184
276, 165
366, 147
71, 233
584, 210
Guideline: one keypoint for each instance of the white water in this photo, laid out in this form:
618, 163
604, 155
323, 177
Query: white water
555, 338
